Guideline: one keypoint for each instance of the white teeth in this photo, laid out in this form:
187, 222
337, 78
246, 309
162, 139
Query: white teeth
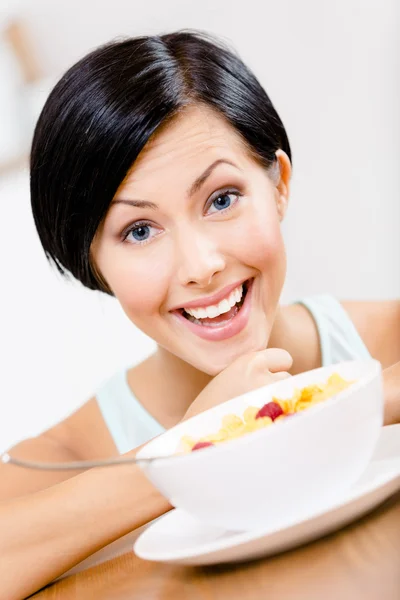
212, 311
232, 298
224, 306
217, 309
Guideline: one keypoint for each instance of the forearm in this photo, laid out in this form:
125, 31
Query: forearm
391, 379
46, 533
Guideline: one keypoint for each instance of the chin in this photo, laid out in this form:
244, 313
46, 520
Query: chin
213, 366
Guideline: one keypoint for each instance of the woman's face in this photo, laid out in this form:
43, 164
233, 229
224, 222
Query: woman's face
192, 246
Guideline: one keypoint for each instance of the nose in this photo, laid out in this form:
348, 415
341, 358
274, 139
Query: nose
198, 259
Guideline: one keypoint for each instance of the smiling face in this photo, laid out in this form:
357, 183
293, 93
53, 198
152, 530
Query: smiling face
196, 225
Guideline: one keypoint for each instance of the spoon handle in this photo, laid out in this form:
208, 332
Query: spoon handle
74, 465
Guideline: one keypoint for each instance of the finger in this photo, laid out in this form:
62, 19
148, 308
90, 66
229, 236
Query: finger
281, 375
275, 359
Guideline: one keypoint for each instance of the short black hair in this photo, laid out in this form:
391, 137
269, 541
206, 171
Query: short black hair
102, 112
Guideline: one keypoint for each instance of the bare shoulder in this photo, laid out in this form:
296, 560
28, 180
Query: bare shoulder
378, 323
295, 330
85, 433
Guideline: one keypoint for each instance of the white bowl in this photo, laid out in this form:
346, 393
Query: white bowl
279, 474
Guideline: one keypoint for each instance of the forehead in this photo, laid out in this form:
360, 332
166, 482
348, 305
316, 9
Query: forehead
191, 141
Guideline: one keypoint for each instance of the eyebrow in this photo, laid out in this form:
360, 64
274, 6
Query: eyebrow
196, 185
137, 203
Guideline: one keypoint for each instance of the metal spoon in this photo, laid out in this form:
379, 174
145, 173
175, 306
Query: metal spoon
6, 458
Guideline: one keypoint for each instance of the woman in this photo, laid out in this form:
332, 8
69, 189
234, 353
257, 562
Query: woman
160, 174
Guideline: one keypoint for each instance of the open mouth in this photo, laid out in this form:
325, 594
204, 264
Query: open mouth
221, 314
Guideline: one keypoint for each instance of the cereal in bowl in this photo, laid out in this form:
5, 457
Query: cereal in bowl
255, 418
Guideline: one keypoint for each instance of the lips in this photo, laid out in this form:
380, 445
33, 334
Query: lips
216, 315
211, 313
225, 325
210, 300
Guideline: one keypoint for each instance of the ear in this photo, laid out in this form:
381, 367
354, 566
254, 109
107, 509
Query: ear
282, 182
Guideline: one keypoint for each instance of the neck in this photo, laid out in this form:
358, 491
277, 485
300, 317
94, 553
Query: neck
187, 381
279, 336
166, 385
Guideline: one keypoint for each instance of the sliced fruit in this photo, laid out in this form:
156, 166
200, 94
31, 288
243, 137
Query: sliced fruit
271, 410
201, 445
250, 413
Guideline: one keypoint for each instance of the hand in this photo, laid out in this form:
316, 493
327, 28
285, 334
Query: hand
391, 387
246, 373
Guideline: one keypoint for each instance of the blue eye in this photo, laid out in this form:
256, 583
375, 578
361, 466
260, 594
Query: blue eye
224, 201
141, 233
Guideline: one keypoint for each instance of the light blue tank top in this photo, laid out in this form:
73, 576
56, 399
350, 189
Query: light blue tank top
130, 425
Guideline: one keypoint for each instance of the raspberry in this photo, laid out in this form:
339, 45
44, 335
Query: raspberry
200, 445
271, 410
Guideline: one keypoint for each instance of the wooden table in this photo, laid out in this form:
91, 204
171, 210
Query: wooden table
360, 562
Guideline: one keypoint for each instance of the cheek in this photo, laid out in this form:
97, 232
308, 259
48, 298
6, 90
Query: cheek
139, 280
259, 242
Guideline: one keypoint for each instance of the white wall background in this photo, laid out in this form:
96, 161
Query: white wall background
332, 70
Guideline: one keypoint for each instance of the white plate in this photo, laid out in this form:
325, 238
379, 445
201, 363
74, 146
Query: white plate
179, 538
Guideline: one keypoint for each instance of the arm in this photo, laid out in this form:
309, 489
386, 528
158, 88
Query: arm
391, 381
66, 441
62, 517
65, 523
378, 324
